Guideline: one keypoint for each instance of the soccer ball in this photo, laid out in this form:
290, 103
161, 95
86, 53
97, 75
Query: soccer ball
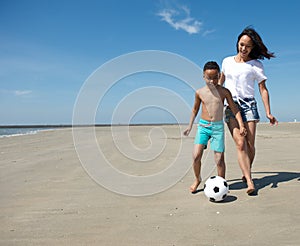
216, 188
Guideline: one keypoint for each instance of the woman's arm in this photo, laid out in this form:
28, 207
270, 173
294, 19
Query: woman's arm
266, 101
222, 79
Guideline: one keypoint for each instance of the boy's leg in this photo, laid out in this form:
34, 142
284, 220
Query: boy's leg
197, 155
220, 161
218, 145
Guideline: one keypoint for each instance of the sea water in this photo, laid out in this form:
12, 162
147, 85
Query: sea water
17, 131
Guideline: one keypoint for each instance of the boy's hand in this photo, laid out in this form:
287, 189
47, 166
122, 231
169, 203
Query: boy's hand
187, 132
243, 131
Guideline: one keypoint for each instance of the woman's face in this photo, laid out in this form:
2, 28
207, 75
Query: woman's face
245, 46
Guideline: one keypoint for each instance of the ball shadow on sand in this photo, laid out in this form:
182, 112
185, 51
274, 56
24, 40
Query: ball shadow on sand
227, 199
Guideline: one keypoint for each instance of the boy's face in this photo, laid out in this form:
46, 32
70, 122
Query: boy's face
211, 76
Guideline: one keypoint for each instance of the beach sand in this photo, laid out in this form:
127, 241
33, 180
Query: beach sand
47, 197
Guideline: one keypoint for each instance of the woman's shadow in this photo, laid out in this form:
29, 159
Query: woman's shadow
272, 178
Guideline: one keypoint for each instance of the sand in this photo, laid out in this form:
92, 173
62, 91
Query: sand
48, 198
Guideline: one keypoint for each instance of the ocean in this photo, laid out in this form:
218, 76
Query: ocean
22, 130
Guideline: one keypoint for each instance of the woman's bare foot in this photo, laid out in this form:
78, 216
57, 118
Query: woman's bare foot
251, 188
194, 186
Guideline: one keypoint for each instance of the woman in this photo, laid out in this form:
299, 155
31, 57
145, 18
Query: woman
240, 73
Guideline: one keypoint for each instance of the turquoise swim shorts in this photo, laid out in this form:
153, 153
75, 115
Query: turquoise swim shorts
213, 131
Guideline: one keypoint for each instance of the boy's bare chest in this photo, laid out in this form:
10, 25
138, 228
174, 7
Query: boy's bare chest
211, 97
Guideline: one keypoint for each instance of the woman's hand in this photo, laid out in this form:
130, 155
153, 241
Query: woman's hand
272, 119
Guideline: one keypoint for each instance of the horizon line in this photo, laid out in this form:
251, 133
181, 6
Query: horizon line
105, 124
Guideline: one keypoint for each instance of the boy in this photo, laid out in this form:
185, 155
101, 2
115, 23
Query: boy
211, 124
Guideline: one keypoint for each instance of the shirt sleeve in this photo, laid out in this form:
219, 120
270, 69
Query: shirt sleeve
223, 66
259, 71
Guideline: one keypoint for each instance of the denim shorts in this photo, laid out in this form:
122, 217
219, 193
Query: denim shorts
248, 109
213, 131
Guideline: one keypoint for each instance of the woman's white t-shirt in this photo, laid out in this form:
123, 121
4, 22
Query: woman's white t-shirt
240, 78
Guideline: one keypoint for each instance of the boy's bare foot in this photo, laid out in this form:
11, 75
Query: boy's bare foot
194, 186
251, 188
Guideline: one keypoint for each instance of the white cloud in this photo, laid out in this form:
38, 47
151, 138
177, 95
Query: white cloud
207, 32
21, 93
181, 19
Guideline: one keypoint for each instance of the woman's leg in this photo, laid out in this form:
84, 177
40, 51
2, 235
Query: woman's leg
250, 139
197, 156
242, 153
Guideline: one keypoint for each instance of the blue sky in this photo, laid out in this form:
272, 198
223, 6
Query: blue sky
48, 49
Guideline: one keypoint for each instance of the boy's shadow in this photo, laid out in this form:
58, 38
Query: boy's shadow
272, 178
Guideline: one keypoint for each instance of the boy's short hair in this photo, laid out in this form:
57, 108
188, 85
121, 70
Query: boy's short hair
211, 65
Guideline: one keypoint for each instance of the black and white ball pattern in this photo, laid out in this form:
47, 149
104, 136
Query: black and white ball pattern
216, 188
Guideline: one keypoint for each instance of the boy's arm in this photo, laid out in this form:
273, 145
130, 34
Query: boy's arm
194, 113
236, 112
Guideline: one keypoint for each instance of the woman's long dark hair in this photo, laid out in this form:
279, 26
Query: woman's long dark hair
259, 50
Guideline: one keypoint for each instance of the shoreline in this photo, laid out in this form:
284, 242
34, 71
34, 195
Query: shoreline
22, 130
106, 125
